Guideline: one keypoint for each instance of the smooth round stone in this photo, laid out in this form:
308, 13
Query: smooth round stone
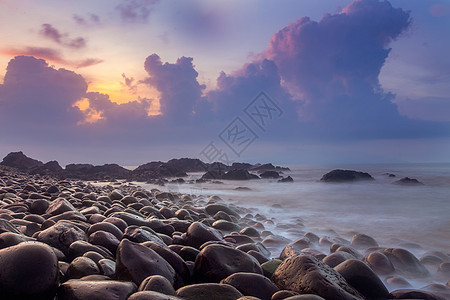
221, 215
136, 262
380, 263
157, 283
119, 223
59, 206
61, 236
305, 297
78, 248
414, 294
96, 257
405, 263
250, 231
209, 291
82, 266
225, 225
8, 239
363, 241
313, 238
258, 255
107, 267
336, 258
39, 206
28, 271
305, 274
198, 234
251, 284
212, 209
270, 266
105, 239
177, 262
76, 289
396, 282
115, 195
151, 295
283, 294
362, 278
106, 226
216, 262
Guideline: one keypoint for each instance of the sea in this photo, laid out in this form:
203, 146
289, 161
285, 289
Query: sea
417, 217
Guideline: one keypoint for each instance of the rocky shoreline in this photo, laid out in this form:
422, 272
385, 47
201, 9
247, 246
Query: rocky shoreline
71, 239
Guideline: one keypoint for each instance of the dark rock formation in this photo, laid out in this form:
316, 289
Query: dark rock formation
345, 176
408, 181
20, 161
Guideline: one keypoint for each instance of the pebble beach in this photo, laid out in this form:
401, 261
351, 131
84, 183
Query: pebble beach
73, 239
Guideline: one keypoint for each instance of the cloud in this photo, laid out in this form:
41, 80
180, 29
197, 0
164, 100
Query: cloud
90, 21
332, 67
136, 11
52, 55
129, 82
50, 32
36, 101
181, 93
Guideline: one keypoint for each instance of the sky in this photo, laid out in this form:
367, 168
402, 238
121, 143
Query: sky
289, 82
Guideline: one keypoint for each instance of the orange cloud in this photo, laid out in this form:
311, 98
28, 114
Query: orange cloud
51, 55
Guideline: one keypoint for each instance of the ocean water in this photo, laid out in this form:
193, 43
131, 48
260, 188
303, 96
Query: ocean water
392, 214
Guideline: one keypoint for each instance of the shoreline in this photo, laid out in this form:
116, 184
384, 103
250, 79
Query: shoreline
33, 209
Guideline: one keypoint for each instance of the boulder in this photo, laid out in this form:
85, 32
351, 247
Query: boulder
345, 176
216, 262
305, 274
405, 263
363, 241
363, 279
198, 233
136, 262
157, 283
414, 294
151, 295
76, 289
408, 182
252, 284
28, 271
209, 291
61, 236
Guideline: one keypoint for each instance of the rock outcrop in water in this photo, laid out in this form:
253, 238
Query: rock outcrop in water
408, 182
339, 175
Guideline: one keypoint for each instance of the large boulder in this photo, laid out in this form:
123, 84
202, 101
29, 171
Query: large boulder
96, 290
28, 271
136, 262
363, 279
252, 284
405, 263
216, 262
345, 176
305, 274
198, 234
61, 236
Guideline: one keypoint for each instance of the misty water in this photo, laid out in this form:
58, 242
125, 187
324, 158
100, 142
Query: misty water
394, 215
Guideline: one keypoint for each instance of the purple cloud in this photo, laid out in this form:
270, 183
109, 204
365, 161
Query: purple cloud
50, 32
181, 93
135, 11
50, 54
37, 100
92, 20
